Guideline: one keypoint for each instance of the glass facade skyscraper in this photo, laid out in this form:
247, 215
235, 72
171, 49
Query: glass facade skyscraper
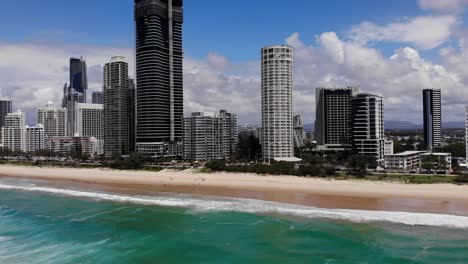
159, 73
432, 106
79, 77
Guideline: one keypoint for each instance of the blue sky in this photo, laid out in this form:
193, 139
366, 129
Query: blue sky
393, 48
236, 29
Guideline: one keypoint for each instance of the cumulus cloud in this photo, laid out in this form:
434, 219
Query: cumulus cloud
33, 74
456, 6
425, 32
400, 78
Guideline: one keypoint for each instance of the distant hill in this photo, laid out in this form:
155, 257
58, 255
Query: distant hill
393, 124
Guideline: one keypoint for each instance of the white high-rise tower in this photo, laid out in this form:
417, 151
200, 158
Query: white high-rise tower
277, 113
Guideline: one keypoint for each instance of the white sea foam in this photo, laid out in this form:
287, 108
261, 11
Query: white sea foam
255, 206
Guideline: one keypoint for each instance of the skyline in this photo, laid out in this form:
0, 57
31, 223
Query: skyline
386, 55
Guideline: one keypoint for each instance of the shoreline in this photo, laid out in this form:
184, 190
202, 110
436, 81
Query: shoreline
321, 193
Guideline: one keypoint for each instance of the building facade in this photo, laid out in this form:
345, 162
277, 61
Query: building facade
97, 98
298, 131
6, 107
53, 119
432, 106
14, 132
466, 132
116, 107
132, 115
333, 122
90, 121
409, 160
210, 137
277, 113
389, 147
159, 72
368, 126
35, 138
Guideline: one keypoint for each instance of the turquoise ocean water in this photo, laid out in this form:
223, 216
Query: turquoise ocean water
40, 223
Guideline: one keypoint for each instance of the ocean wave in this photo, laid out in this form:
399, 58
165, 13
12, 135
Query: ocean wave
206, 204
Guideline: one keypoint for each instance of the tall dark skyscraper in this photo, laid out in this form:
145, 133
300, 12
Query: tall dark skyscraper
333, 123
75, 92
79, 77
132, 113
432, 107
6, 107
116, 117
159, 59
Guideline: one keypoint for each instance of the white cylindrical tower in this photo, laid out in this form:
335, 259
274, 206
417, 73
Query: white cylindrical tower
277, 112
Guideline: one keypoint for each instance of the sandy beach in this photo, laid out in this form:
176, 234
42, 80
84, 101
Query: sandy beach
365, 195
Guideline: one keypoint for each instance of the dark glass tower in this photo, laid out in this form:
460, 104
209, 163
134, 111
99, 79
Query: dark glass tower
78, 77
6, 107
131, 113
116, 117
159, 76
432, 106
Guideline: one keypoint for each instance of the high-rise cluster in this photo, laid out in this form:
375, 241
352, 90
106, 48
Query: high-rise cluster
348, 120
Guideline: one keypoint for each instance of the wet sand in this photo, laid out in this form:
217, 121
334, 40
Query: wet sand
359, 195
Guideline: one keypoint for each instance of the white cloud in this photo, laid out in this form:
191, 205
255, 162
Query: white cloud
35, 73
456, 6
425, 32
400, 78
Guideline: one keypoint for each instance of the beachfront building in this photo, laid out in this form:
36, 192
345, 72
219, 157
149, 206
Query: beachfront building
53, 119
14, 132
35, 138
6, 107
116, 107
97, 98
277, 96
367, 112
298, 131
159, 72
85, 145
333, 123
210, 137
89, 121
408, 160
432, 106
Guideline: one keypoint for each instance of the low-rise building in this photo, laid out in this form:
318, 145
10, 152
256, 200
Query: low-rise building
408, 160
85, 145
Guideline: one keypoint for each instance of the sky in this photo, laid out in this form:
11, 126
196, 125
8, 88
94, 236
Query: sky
393, 48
